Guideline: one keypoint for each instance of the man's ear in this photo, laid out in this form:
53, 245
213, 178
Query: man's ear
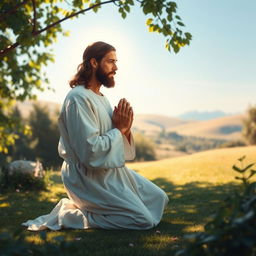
94, 63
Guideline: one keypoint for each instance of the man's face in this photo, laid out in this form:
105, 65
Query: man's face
107, 69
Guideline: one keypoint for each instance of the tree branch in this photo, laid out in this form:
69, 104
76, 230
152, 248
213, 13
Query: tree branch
35, 33
8, 49
34, 18
2, 17
74, 14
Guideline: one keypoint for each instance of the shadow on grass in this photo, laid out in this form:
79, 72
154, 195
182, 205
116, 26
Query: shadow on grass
189, 209
191, 206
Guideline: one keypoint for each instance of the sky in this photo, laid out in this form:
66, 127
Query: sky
216, 72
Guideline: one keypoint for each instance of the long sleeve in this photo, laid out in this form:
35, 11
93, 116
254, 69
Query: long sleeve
129, 148
92, 148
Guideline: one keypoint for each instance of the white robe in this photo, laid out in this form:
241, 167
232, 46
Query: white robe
102, 191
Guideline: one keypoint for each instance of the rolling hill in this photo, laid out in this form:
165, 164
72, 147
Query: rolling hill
151, 124
227, 127
212, 166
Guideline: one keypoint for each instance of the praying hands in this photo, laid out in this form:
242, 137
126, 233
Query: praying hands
123, 117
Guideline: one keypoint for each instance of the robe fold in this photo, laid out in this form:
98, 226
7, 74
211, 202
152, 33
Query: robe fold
102, 191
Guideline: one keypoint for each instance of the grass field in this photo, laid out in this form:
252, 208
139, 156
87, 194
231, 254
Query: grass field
195, 184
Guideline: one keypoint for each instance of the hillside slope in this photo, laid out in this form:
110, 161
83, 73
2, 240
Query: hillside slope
228, 127
155, 123
213, 166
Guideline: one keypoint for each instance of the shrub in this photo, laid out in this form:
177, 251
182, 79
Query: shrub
144, 148
232, 232
249, 126
190, 144
22, 181
235, 143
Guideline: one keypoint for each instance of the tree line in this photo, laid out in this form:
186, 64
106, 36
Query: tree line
39, 140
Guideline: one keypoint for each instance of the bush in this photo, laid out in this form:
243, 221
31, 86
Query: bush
22, 181
145, 148
232, 232
249, 126
189, 144
233, 143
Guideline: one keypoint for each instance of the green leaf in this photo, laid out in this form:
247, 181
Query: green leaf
169, 17
147, 8
127, 8
242, 158
176, 48
237, 169
253, 172
188, 36
180, 23
248, 167
123, 15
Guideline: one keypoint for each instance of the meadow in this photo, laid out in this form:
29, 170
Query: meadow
196, 185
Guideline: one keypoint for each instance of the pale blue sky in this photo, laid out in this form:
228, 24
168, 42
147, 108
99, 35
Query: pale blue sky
216, 72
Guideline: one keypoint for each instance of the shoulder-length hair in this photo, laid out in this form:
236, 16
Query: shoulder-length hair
96, 50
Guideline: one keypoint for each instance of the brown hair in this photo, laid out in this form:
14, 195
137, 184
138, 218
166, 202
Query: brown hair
96, 50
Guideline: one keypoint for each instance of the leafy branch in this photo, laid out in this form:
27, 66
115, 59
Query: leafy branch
38, 32
12, 10
244, 171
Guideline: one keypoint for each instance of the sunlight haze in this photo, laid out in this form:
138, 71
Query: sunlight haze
216, 72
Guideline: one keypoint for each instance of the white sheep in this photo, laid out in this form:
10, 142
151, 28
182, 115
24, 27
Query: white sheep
24, 166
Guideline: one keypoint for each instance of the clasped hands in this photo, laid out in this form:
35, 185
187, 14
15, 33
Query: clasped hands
123, 117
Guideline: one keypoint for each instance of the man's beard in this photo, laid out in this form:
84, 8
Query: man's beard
103, 78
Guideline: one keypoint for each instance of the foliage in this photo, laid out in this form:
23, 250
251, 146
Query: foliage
22, 181
249, 126
233, 229
29, 28
7, 124
40, 141
22, 148
45, 136
144, 148
233, 143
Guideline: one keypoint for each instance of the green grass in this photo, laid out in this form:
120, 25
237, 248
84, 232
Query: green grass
195, 184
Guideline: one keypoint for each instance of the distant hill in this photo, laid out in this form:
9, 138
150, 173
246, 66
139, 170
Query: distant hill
202, 116
151, 124
228, 127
